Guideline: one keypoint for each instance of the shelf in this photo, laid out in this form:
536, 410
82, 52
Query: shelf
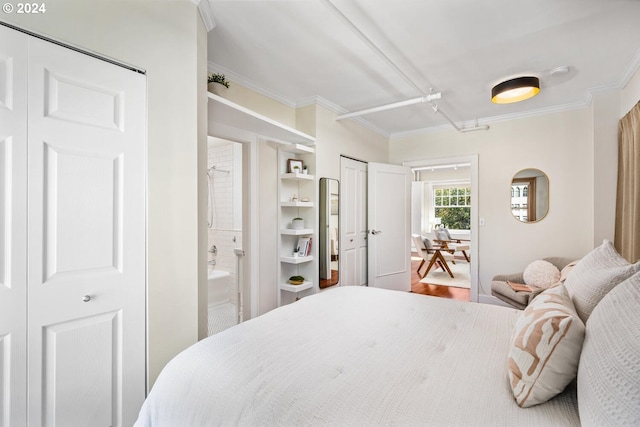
299, 149
224, 112
296, 232
296, 259
296, 204
296, 288
297, 176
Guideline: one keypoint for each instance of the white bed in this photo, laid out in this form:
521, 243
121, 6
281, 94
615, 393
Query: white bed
353, 356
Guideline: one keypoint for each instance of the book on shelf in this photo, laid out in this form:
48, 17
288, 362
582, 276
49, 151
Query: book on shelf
304, 246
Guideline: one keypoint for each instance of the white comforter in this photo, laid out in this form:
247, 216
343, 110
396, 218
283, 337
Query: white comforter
352, 356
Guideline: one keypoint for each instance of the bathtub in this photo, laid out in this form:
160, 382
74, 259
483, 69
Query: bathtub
219, 287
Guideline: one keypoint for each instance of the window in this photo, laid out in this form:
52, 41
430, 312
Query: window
453, 207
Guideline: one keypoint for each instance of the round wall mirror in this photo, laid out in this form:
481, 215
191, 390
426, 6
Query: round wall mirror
529, 195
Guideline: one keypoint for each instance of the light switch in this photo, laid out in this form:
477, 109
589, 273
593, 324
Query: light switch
481, 222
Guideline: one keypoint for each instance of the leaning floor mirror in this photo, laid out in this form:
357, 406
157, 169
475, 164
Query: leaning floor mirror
329, 232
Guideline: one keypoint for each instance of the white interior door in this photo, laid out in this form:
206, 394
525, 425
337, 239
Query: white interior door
86, 244
353, 222
389, 215
13, 228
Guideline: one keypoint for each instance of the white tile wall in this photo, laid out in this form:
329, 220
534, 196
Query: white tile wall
223, 234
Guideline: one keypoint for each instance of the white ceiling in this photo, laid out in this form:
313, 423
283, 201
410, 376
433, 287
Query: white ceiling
303, 51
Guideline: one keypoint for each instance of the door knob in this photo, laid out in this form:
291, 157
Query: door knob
374, 232
86, 298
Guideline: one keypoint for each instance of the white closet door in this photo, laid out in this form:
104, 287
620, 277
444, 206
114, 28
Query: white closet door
353, 223
86, 275
13, 228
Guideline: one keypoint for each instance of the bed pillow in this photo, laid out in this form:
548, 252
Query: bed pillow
541, 274
608, 375
545, 348
564, 273
595, 275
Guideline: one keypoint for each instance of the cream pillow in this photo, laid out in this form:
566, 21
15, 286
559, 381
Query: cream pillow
566, 270
608, 374
541, 274
595, 275
545, 348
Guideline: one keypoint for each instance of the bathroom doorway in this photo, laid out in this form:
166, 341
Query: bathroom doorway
224, 232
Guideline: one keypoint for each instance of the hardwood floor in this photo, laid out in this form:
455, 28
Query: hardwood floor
435, 290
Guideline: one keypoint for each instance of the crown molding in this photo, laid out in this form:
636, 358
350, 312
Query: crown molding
633, 67
249, 84
336, 109
206, 13
495, 119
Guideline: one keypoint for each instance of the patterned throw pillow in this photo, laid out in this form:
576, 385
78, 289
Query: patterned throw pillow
595, 275
545, 348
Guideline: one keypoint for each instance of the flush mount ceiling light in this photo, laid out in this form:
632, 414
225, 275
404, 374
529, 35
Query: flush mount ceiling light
515, 90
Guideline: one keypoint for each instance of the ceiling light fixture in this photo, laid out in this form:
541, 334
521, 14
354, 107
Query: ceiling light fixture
515, 90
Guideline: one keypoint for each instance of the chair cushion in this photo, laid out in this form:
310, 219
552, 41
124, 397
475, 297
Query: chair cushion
545, 348
609, 373
595, 275
427, 243
506, 293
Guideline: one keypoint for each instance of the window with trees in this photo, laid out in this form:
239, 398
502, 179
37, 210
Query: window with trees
453, 207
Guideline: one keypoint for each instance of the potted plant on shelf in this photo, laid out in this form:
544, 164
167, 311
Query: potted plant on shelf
297, 223
217, 83
296, 280
304, 170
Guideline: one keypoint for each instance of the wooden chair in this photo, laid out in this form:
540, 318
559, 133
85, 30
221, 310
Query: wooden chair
431, 254
443, 238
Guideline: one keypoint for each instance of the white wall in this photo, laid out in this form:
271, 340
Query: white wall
558, 144
332, 139
165, 38
345, 137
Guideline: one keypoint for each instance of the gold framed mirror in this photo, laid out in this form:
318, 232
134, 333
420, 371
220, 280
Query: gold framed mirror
529, 195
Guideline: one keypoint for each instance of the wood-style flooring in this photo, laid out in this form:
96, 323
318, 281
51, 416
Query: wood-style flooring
435, 290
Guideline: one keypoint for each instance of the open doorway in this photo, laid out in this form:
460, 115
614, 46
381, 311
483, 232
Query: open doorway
224, 232
444, 213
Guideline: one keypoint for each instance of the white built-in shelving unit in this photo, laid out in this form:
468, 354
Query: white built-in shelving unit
292, 189
225, 120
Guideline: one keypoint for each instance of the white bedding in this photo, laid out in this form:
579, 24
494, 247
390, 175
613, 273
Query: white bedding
353, 356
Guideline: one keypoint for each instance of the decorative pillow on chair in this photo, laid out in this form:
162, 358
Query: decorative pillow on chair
545, 348
541, 274
595, 275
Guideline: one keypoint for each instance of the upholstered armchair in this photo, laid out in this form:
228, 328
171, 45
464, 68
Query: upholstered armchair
451, 245
501, 289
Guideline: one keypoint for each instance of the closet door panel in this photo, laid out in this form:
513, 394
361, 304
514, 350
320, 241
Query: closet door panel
94, 249
86, 239
13, 227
